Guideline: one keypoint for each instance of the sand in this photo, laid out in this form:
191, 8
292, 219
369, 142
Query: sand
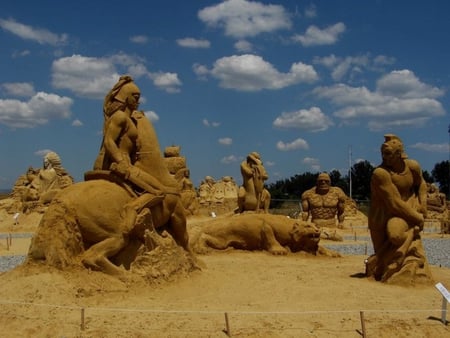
236, 293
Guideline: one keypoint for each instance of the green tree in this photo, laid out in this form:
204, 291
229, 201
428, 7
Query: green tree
361, 175
440, 174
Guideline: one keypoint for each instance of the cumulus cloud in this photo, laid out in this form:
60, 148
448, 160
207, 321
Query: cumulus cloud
312, 162
294, 145
152, 116
314, 36
139, 39
229, 159
193, 43
312, 119
38, 110
243, 46
226, 141
252, 73
19, 89
167, 81
39, 35
208, 123
241, 18
430, 147
92, 77
394, 103
77, 123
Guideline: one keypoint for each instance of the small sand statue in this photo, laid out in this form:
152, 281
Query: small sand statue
252, 195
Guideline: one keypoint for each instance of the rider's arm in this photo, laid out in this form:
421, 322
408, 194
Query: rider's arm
115, 128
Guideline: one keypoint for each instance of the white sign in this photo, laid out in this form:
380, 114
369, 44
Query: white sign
443, 291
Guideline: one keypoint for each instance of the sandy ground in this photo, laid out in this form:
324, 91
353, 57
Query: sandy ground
237, 293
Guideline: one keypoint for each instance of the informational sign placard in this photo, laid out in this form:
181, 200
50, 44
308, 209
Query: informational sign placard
444, 292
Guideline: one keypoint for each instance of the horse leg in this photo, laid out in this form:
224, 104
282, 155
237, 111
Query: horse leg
96, 257
177, 227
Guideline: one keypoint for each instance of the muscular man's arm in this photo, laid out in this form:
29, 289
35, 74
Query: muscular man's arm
116, 124
305, 206
387, 193
419, 185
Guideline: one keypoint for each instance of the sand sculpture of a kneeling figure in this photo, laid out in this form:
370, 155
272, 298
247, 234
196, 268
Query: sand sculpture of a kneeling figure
396, 218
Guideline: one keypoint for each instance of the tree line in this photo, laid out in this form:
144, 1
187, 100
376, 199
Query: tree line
361, 172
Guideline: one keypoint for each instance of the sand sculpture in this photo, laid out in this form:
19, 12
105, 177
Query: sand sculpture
323, 204
249, 231
176, 164
38, 187
104, 221
252, 195
218, 196
396, 218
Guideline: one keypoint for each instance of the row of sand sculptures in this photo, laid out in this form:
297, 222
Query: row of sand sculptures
113, 221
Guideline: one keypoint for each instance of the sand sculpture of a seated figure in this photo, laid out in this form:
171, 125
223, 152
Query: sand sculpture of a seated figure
47, 182
96, 221
396, 218
273, 233
252, 195
436, 201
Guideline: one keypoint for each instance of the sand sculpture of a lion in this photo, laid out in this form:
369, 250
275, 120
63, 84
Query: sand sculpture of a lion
276, 234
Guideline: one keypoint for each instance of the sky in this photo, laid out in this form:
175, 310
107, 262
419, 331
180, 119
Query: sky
310, 85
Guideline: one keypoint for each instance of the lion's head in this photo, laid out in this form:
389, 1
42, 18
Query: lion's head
304, 237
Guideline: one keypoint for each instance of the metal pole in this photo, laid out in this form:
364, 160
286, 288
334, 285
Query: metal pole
350, 168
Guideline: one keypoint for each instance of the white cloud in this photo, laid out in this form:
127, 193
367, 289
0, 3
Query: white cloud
19, 89
312, 119
229, 159
435, 148
193, 43
241, 18
93, 77
166, 81
315, 36
405, 84
312, 162
39, 35
152, 116
311, 11
77, 123
139, 39
243, 46
42, 152
294, 145
251, 73
226, 141
207, 123
394, 103
37, 111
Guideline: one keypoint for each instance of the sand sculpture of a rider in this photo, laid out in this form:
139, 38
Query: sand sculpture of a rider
120, 150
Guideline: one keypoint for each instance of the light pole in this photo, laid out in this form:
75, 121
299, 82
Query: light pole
350, 168
448, 180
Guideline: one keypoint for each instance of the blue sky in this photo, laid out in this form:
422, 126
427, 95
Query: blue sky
301, 82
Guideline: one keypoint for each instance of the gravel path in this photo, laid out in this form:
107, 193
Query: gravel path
437, 250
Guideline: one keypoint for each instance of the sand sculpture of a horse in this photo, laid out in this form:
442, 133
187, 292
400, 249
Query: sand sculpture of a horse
84, 223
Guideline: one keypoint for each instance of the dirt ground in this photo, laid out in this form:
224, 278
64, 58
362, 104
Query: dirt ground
236, 293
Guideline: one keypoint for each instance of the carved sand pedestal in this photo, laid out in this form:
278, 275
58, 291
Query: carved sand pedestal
412, 270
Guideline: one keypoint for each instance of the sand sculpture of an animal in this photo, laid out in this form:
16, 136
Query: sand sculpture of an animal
274, 233
84, 222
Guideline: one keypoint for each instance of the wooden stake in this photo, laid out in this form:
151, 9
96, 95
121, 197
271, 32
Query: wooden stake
363, 324
227, 325
82, 319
